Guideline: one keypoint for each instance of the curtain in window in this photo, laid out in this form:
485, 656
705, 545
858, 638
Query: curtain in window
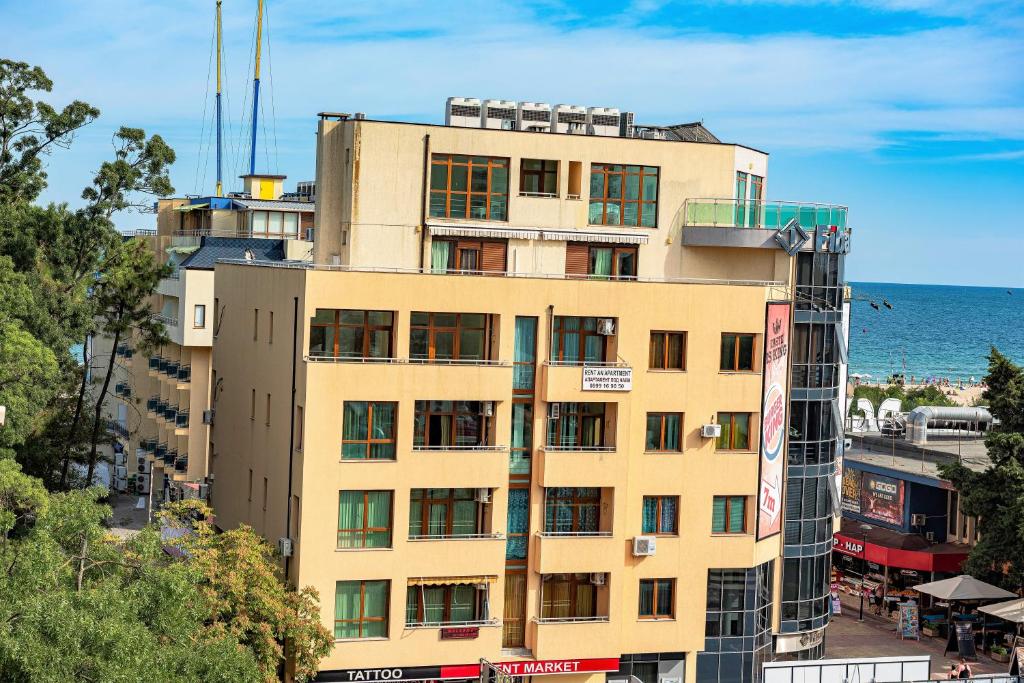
433, 604
569, 428
353, 427
672, 432
346, 606
378, 514
601, 263
412, 601
741, 439
439, 256
650, 515
555, 599
646, 598
463, 603
736, 513
570, 339
291, 224
718, 515
518, 524
668, 514
350, 516
375, 604
464, 518
437, 522
586, 595
524, 352
259, 222
665, 597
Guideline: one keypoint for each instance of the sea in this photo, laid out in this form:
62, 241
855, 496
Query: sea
934, 331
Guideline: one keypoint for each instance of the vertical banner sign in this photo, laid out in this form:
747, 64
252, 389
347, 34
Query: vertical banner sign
774, 420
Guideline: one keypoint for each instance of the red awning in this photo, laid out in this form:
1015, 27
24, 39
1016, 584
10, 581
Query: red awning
903, 551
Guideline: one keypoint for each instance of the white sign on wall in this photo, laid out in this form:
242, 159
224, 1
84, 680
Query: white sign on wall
607, 379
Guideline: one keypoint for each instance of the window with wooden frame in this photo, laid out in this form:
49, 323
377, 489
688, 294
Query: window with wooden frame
657, 599
729, 515
575, 341
452, 424
364, 519
601, 261
467, 256
660, 515
668, 351
578, 426
464, 186
568, 596
538, 177
572, 511
735, 432
284, 224
623, 195
450, 336
361, 609
445, 513
436, 605
345, 333
664, 433
737, 352
368, 430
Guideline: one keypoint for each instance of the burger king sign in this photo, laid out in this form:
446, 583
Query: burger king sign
774, 411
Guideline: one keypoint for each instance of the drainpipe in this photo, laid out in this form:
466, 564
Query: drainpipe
424, 199
291, 435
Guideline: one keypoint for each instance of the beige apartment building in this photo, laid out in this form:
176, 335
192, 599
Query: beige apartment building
514, 409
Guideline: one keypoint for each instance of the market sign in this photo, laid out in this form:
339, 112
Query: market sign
773, 419
607, 379
881, 498
518, 668
460, 633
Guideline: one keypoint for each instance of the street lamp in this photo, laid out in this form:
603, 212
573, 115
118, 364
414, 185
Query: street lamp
864, 529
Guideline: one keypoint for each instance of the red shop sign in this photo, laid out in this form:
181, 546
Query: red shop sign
537, 668
460, 633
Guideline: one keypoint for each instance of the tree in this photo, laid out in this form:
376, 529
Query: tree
82, 605
28, 371
30, 129
996, 495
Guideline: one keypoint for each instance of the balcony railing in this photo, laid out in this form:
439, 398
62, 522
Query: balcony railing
172, 369
152, 403
165, 319
318, 358
170, 457
149, 445
446, 624
484, 448
222, 232
181, 421
154, 363
735, 213
586, 364
456, 537
185, 373
181, 463
116, 427
570, 620
561, 448
160, 451
574, 534
170, 413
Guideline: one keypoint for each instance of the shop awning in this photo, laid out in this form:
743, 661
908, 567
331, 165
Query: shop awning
901, 551
963, 587
482, 231
1011, 610
451, 580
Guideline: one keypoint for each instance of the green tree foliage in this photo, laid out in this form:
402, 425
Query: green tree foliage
83, 605
30, 129
918, 396
28, 371
996, 495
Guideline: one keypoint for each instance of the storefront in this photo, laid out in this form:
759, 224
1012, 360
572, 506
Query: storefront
522, 670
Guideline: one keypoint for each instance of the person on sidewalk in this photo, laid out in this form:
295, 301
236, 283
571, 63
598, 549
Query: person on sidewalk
964, 670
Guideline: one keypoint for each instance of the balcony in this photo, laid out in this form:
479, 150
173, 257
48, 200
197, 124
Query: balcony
582, 382
172, 369
115, 427
167, 320
565, 465
470, 379
154, 365
464, 555
184, 374
160, 451
181, 464
170, 457
754, 224
123, 389
170, 413
151, 403
585, 637
567, 552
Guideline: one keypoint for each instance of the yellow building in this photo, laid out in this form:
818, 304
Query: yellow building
512, 409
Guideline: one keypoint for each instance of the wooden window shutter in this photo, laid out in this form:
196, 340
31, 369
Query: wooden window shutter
577, 258
492, 256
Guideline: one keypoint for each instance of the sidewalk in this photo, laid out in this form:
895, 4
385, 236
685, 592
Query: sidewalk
876, 637
127, 519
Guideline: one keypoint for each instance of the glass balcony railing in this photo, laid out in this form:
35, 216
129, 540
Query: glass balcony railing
181, 463
185, 373
172, 369
766, 215
151, 404
154, 363
171, 413
181, 421
162, 367
170, 456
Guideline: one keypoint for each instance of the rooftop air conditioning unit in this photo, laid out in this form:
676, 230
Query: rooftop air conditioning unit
208, 416
644, 546
598, 578
918, 519
554, 411
533, 117
711, 431
142, 468
284, 546
606, 326
487, 408
463, 112
569, 118
482, 495
142, 460
500, 114
603, 121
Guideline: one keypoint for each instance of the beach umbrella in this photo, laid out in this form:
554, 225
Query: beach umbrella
963, 587
1011, 610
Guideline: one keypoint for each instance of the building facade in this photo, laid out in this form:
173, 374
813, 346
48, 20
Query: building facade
515, 407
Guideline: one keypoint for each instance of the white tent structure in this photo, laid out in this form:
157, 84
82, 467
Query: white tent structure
964, 587
1011, 610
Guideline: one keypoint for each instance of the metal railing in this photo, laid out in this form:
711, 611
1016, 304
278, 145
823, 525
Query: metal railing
173, 275
577, 448
571, 620
303, 265
181, 420
117, 428
446, 624
457, 537
409, 361
484, 448
542, 195
181, 464
221, 232
154, 363
574, 534
165, 319
767, 215
185, 373
586, 364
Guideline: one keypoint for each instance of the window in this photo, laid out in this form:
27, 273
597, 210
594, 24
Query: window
579, 426
199, 316
567, 596
473, 257
538, 177
748, 204
664, 432
364, 519
660, 515
445, 604
657, 598
737, 352
572, 511
668, 351
351, 334
575, 341
575, 179
735, 432
445, 513
275, 224
468, 187
623, 195
361, 609
368, 430
451, 424
729, 515
450, 336
600, 262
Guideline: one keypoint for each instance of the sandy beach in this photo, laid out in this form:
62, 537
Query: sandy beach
965, 395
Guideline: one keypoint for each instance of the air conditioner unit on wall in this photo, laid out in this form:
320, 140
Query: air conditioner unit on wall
644, 546
482, 495
711, 431
606, 326
284, 547
554, 410
487, 408
208, 416
598, 578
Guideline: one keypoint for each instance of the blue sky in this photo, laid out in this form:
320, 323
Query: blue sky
911, 112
